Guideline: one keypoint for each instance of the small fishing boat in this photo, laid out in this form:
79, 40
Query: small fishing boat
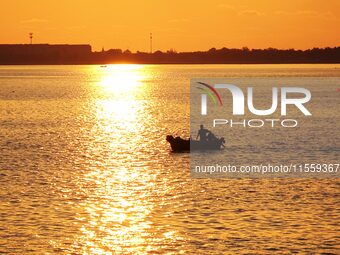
182, 145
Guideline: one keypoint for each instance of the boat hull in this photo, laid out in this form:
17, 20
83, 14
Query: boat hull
182, 145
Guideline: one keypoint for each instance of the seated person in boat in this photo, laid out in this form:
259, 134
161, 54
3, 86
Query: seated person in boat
211, 137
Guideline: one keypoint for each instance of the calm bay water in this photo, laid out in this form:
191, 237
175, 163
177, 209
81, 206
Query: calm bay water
85, 169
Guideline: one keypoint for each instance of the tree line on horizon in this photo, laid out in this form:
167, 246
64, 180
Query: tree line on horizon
226, 56
82, 54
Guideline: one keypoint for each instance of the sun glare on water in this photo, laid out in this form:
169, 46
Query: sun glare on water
121, 79
116, 214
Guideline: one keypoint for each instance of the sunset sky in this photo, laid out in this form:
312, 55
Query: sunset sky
181, 25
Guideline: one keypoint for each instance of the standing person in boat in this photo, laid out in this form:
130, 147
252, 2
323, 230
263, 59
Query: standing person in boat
202, 134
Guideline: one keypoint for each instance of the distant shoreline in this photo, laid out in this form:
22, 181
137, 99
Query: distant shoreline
127, 63
65, 54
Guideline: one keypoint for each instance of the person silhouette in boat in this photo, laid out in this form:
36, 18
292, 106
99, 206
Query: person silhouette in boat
211, 137
202, 134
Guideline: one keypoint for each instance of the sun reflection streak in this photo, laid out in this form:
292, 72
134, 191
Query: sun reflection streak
117, 208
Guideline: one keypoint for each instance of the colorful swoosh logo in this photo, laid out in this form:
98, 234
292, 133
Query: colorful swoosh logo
211, 92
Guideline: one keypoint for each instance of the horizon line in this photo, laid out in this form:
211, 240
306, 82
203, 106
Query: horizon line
170, 50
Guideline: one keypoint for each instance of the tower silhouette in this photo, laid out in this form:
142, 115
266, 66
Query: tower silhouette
151, 43
31, 37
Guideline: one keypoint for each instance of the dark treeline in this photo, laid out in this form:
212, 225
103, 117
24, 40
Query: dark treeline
82, 54
224, 56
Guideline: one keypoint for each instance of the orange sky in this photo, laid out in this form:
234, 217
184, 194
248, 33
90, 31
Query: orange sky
182, 25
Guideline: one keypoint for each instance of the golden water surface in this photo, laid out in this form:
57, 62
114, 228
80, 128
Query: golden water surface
85, 169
